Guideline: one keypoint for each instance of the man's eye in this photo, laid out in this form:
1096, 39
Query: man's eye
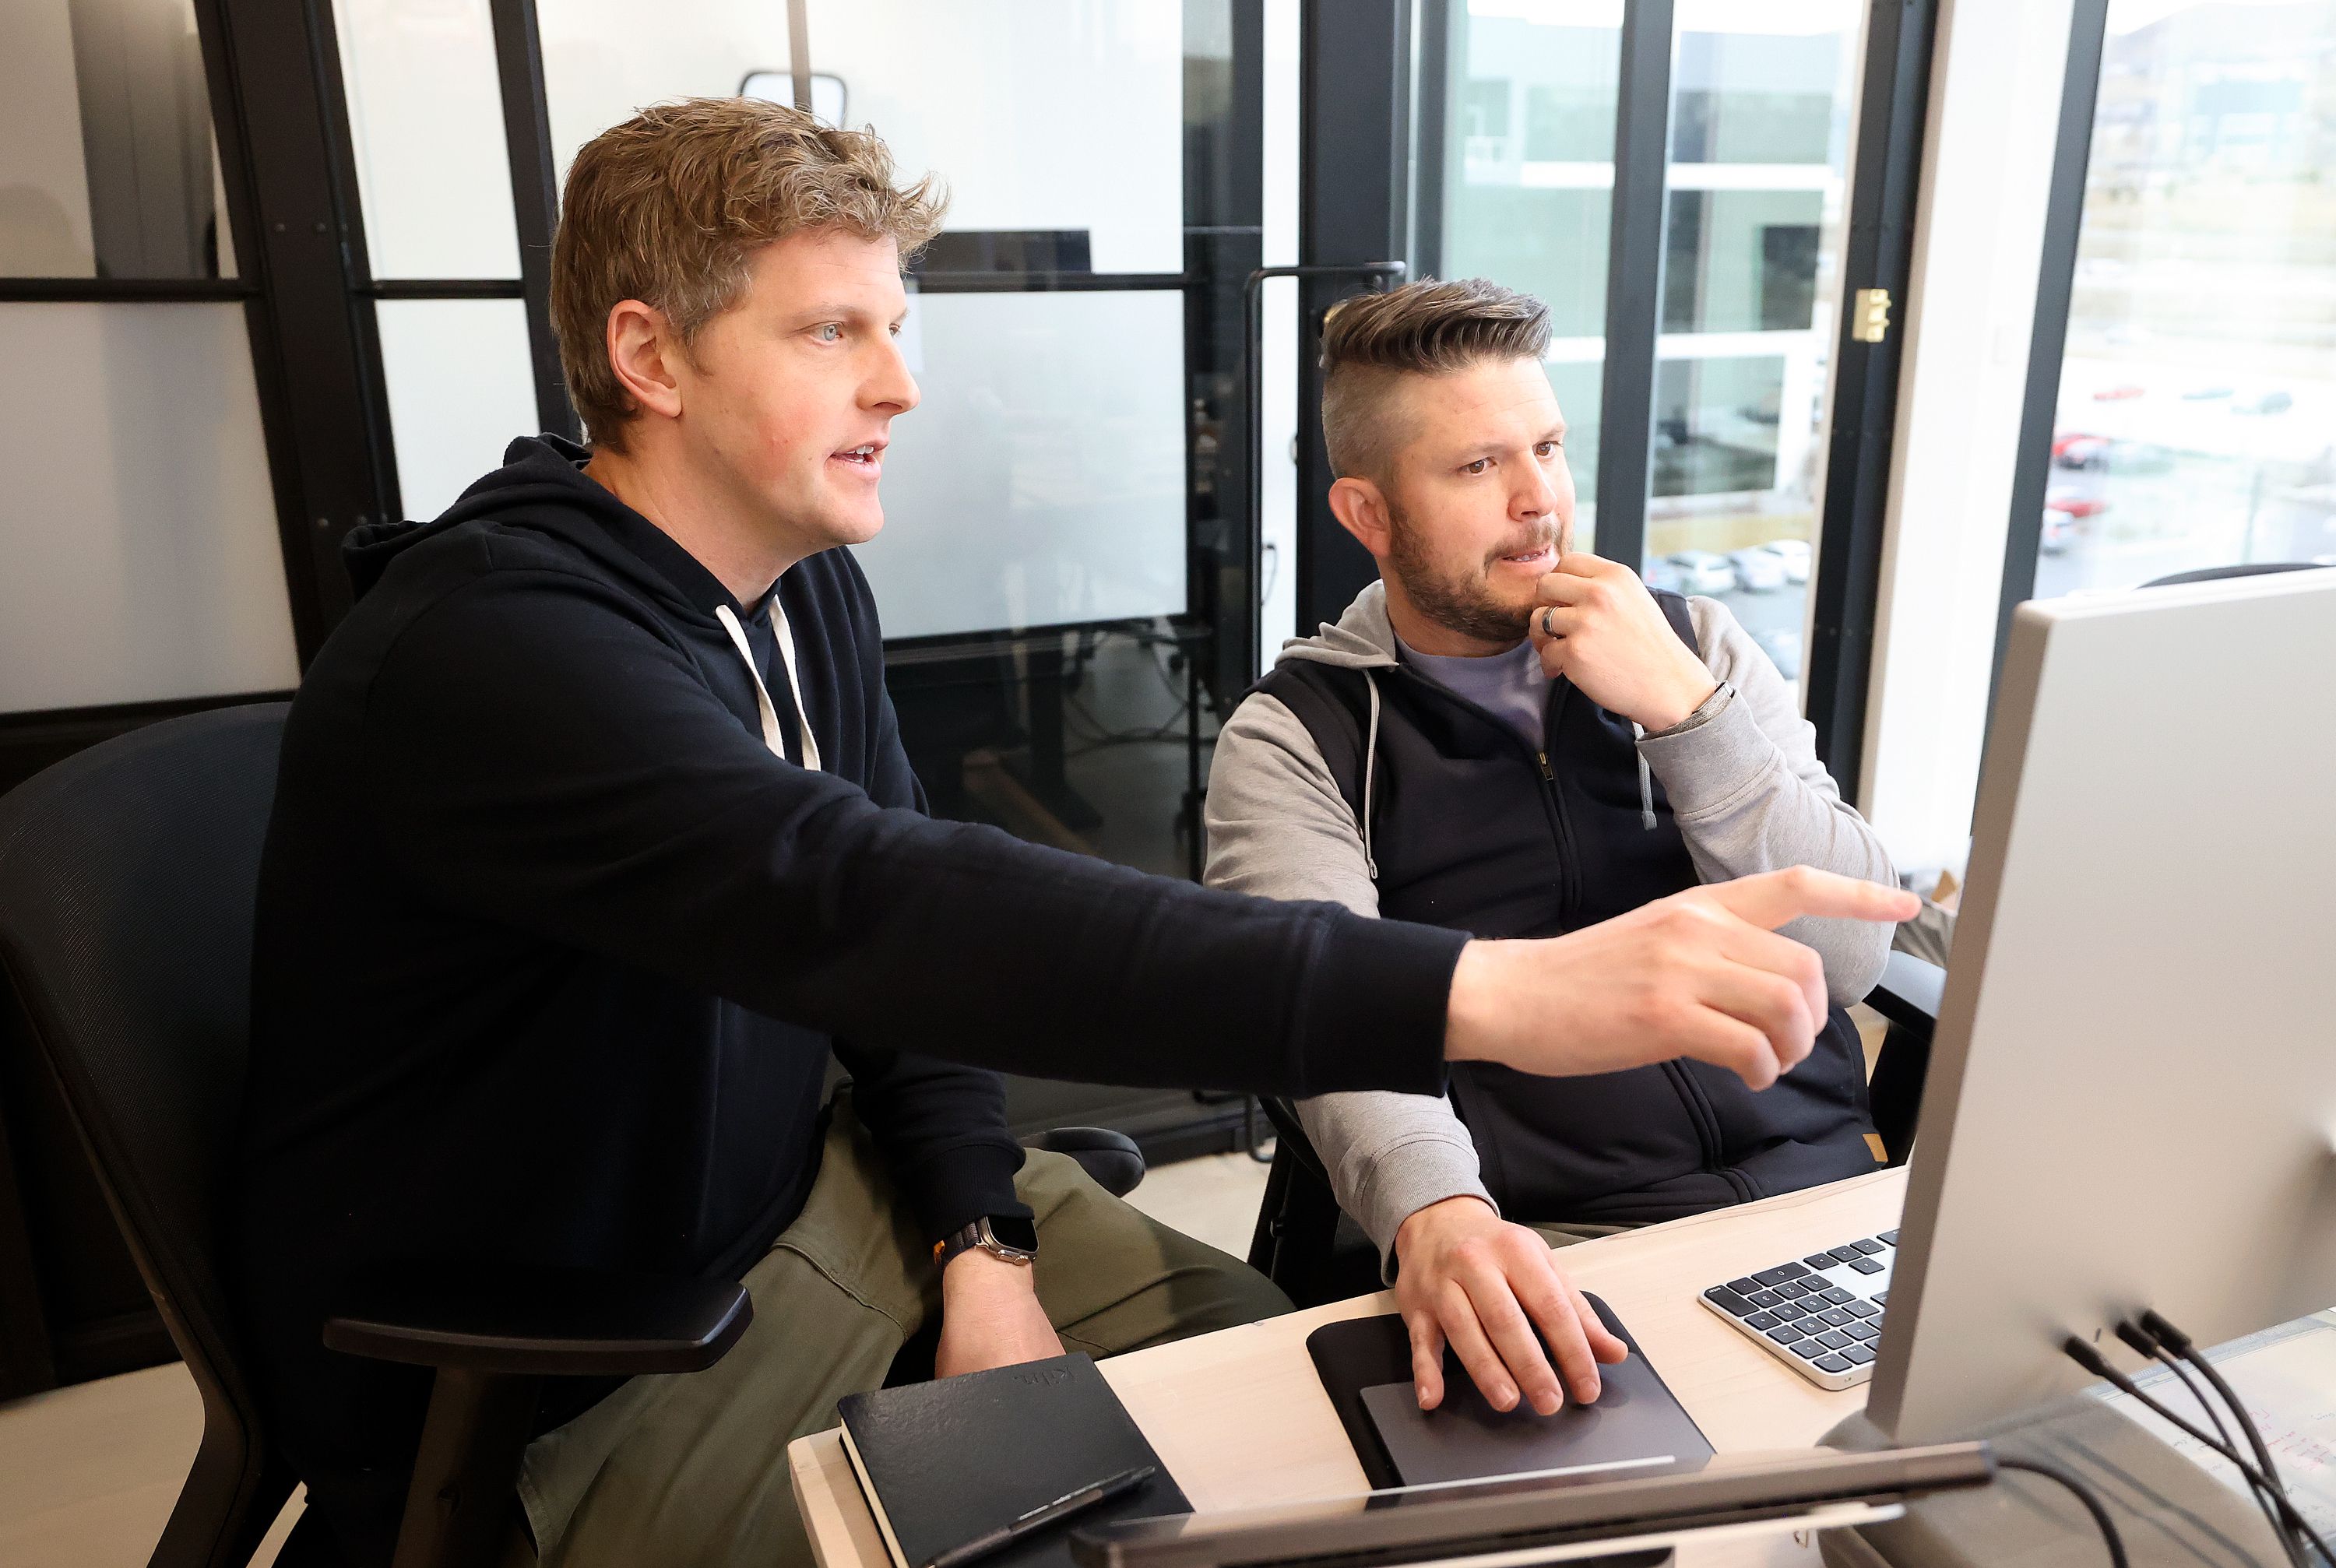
828, 332
1547, 449
1479, 466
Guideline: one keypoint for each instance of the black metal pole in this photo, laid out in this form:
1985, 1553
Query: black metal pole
1634, 281
535, 199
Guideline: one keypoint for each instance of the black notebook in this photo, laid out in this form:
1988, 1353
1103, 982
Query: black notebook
944, 1462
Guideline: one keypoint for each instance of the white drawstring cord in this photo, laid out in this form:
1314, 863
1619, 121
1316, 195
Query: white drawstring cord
1646, 780
1370, 756
771, 738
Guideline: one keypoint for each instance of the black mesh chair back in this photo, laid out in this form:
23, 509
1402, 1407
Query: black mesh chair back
128, 877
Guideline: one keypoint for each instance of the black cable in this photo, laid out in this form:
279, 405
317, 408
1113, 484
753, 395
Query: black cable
2084, 1493
2287, 1520
2275, 1509
2175, 1341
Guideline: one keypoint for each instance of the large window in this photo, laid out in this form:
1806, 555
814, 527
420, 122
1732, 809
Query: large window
2196, 417
1761, 100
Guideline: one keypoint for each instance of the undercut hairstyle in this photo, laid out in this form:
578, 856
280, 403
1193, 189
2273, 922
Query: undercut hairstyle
1371, 342
670, 207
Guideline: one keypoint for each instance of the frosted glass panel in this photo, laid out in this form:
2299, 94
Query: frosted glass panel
460, 389
425, 113
106, 163
1040, 115
1042, 480
142, 555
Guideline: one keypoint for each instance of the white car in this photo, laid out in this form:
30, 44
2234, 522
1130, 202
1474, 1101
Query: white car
1794, 554
1700, 571
1758, 570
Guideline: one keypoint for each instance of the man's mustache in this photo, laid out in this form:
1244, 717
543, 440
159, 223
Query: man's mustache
1541, 538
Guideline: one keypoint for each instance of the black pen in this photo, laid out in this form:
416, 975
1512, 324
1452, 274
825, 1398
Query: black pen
1046, 1513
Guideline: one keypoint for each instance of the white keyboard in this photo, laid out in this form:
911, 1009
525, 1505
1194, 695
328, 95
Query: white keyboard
1820, 1315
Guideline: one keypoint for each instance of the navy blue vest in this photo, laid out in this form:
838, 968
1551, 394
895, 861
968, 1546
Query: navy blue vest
1470, 829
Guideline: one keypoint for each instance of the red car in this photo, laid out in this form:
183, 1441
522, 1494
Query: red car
2075, 505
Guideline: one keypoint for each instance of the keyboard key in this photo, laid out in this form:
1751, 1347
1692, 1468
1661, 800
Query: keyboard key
1785, 1335
1729, 1301
1763, 1298
1857, 1354
1821, 1260
1869, 1246
1789, 1312
1832, 1364
1744, 1287
1833, 1340
1866, 1265
1762, 1321
1836, 1315
1857, 1330
1809, 1350
1856, 1309
1881, 1298
1780, 1273
1839, 1296
1845, 1254
1793, 1291
1891, 1237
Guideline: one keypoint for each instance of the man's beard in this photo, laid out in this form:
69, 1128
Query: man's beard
1459, 603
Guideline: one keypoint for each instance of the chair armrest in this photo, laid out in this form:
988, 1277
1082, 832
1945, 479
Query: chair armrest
1908, 993
1111, 1158
544, 1322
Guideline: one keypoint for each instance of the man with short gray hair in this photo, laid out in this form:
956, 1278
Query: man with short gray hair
1514, 738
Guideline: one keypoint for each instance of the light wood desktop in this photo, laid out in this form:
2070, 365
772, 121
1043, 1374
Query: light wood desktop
1239, 1417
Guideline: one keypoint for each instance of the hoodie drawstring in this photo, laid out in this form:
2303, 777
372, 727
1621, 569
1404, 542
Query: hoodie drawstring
1646, 780
1370, 755
761, 693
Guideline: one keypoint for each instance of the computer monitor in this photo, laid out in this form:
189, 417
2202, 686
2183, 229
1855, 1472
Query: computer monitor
2132, 1090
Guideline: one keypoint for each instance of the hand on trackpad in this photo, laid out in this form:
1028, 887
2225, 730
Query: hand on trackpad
1634, 1421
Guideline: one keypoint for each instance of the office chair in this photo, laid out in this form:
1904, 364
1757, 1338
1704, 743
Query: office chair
1305, 1243
128, 876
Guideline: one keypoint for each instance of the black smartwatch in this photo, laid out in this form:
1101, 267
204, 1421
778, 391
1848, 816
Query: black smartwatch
1013, 1237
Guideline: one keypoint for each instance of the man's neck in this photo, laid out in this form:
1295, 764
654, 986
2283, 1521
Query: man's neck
1421, 634
697, 517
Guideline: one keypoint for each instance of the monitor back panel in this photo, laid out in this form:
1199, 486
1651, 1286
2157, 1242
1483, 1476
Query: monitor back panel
2133, 1088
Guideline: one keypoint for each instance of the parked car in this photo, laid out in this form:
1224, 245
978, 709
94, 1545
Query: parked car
2266, 402
2060, 531
2119, 392
1782, 648
1661, 574
2075, 504
1794, 554
1758, 569
2079, 452
1700, 571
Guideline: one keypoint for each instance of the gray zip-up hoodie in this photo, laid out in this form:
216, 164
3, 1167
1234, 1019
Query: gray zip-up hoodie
1744, 787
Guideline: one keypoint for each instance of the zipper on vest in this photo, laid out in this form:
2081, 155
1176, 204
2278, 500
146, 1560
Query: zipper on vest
1569, 862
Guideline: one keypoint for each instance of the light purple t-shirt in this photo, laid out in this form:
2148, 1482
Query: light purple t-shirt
1509, 686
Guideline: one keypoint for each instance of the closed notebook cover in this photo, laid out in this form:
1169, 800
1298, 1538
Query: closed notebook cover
946, 1461
1365, 1365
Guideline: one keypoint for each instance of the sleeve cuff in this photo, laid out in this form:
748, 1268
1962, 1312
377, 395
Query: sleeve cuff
1375, 1007
957, 1184
1408, 1178
1706, 765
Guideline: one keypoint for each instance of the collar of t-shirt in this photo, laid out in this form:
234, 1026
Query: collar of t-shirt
1512, 686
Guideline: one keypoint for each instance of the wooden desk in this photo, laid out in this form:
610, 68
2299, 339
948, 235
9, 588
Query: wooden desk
1239, 1417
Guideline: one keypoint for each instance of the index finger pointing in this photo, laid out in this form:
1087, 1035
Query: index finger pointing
1772, 898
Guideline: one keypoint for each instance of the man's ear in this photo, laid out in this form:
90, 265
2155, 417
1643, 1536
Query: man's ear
641, 351
1361, 510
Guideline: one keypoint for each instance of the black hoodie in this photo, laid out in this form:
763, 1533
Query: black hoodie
552, 949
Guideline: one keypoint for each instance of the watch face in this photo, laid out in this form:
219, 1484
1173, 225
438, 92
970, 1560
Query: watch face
1014, 1232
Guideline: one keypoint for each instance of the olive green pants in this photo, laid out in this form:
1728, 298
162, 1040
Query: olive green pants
691, 1468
